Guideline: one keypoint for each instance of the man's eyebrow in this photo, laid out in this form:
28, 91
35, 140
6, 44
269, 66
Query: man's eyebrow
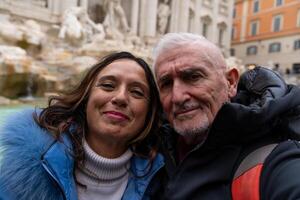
190, 69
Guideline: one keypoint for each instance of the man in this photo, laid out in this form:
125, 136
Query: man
219, 121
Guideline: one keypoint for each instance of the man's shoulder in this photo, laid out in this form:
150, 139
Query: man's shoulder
280, 178
285, 148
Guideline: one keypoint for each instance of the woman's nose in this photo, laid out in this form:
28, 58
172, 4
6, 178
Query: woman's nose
121, 97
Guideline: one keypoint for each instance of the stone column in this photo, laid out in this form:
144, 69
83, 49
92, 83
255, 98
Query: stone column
54, 6
215, 32
183, 22
179, 16
134, 16
148, 17
67, 4
197, 24
84, 4
174, 16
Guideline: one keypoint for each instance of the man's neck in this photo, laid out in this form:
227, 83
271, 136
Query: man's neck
185, 144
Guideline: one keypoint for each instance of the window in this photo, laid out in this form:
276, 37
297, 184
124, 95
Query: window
221, 35
234, 13
232, 52
296, 68
254, 28
233, 33
297, 44
278, 2
204, 29
274, 47
252, 50
277, 24
255, 6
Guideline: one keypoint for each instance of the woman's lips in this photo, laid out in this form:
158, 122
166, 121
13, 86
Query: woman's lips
116, 115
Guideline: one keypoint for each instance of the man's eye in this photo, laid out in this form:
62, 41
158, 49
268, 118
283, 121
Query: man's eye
165, 84
195, 76
192, 76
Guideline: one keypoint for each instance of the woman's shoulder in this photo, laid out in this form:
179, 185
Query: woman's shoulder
20, 128
22, 144
141, 165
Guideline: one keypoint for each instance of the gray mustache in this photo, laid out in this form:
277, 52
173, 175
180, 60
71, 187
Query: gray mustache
184, 107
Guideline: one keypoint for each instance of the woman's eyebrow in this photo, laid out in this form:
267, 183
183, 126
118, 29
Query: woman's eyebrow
113, 78
141, 84
108, 77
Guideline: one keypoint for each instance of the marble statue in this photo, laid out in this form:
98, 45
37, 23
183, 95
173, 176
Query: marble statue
10, 32
76, 24
29, 31
12, 52
33, 33
115, 21
163, 14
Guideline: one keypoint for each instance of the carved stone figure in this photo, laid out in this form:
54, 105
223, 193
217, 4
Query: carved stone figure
163, 14
10, 32
76, 24
115, 21
33, 33
29, 31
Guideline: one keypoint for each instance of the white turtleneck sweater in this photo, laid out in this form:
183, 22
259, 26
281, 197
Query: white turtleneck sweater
104, 178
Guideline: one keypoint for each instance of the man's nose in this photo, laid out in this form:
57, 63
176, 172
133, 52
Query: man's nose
179, 92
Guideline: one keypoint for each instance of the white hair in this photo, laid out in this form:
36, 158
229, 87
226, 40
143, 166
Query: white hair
170, 41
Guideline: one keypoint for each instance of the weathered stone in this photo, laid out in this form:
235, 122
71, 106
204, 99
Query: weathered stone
4, 101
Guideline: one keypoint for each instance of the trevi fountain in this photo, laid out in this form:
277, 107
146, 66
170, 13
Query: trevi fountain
47, 45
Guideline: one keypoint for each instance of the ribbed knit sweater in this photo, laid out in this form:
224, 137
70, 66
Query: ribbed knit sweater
103, 178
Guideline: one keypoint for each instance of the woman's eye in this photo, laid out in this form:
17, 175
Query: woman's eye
106, 86
137, 93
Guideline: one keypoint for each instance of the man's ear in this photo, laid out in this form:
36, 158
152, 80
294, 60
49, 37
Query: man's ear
232, 76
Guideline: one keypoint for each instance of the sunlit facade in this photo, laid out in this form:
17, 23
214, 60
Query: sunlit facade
267, 32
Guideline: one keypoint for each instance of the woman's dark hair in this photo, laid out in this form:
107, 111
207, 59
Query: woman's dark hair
68, 111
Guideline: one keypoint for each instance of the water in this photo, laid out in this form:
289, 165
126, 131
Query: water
8, 110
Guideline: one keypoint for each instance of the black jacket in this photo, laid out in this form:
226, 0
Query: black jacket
265, 110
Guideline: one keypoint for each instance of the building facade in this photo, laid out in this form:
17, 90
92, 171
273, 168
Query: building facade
267, 32
147, 19
210, 18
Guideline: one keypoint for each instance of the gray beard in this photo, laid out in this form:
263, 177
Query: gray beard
194, 135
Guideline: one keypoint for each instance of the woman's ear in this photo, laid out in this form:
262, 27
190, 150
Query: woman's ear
232, 76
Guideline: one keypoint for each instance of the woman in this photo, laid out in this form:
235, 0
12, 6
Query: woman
96, 142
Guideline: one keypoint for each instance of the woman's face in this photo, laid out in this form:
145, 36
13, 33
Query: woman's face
118, 103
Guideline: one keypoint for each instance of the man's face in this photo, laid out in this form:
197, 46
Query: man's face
192, 90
